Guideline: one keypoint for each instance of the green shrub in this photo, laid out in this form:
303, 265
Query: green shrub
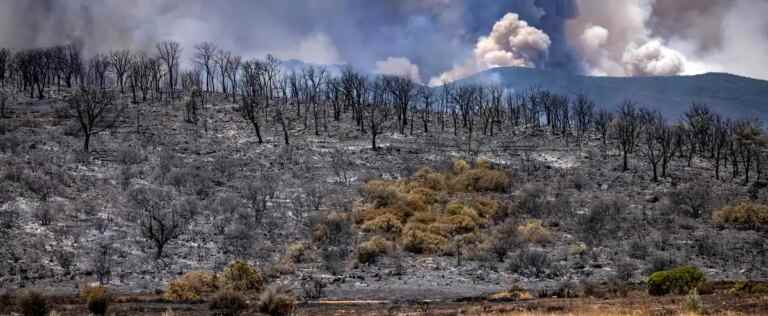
749, 288
277, 301
192, 286
32, 303
680, 281
370, 251
228, 303
240, 276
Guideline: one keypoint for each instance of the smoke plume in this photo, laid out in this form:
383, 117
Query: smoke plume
652, 59
440, 37
398, 66
512, 42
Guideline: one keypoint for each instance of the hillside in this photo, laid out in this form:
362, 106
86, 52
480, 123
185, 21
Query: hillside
727, 94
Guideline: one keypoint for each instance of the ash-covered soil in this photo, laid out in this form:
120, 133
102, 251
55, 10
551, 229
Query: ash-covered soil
67, 214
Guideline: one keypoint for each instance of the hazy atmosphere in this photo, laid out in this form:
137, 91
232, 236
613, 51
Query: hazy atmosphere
442, 39
383, 157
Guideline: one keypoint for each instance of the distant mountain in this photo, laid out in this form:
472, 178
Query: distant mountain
730, 95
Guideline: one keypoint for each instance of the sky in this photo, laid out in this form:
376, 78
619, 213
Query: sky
431, 41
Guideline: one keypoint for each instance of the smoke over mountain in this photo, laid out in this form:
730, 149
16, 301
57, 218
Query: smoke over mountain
440, 38
512, 42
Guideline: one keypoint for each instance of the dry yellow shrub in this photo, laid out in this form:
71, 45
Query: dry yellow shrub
427, 196
370, 250
422, 241
481, 180
459, 224
744, 213
386, 223
483, 164
401, 214
192, 286
535, 232
415, 203
485, 207
431, 180
296, 252
381, 193
460, 166
240, 276
423, 218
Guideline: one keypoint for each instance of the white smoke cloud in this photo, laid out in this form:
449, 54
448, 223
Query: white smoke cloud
316, 48
744, 42
652, 59
398, 66
614, 38
512, 42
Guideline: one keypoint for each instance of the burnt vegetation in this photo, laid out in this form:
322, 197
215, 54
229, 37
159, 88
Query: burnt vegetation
150, 166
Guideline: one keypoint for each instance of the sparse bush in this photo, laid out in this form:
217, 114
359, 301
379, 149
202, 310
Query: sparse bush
579, 182
637, 249
297, 252
505, 238
534, 232
706, 246
46, 212
10, 143
333, 259
693, 199
660, 263
625, 270
228, 303
743, 214
371, 250
192, 286
32, 303
9, 219
678, 281
602, 221
332, 229
277, 301
531, 200
313, 287
693, 303
240, 276
529, 262
101, 261
97, 299
6, 303
283, 266
129, 155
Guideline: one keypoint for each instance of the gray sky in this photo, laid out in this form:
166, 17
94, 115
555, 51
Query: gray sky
423, 38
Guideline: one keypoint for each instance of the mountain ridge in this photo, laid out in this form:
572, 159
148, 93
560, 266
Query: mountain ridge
732, 95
